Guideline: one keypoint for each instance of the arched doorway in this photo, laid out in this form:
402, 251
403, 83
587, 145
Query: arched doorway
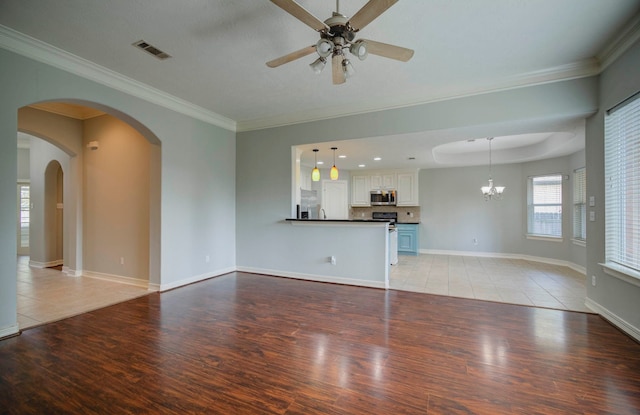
98, 192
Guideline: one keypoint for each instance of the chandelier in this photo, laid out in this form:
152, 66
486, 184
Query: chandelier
491, 191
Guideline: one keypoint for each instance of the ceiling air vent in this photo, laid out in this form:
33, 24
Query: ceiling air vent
141, 44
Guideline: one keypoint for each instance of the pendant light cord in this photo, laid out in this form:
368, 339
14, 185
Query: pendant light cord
490, 164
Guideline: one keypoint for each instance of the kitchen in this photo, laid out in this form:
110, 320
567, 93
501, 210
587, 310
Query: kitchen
369, 196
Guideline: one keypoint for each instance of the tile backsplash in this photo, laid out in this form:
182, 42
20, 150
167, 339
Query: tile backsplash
405, 213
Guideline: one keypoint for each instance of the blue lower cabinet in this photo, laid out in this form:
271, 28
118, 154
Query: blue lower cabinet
407, 239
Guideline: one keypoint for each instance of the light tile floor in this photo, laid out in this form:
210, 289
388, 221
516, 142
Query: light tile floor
493, 279
46, 295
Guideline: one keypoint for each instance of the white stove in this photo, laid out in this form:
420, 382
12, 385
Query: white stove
391, 217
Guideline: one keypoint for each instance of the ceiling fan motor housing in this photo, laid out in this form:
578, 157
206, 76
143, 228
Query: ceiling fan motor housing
339, 28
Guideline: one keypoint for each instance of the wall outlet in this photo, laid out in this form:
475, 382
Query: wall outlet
475, 241
121, 260
206, 258
593, 280
332, 259
592, 216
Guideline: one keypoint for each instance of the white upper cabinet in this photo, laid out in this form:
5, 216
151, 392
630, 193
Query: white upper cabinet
408, 189
404, 181
383, 181
360, 188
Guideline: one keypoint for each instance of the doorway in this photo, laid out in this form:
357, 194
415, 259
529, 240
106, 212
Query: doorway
335, 199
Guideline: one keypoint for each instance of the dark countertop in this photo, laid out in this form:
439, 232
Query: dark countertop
338, 220
407, 223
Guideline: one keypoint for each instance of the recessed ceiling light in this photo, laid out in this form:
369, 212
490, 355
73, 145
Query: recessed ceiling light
471, 140
321, 162
342, 156
361, 165
411, 158
377, 158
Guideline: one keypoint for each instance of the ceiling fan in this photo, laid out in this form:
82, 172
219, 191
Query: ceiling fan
337, 34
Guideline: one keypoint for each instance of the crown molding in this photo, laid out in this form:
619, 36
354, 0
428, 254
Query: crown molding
621, 43
35, 49
575, 70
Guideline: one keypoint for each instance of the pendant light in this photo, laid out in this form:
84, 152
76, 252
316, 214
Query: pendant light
491, 192
334, 169
315, 173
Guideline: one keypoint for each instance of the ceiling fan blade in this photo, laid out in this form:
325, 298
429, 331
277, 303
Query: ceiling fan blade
389, 51
291, 56
369, 12
336, 69
301, 14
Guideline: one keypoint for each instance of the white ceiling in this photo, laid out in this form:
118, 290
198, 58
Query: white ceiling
219, 49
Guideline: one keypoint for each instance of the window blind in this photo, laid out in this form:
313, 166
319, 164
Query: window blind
622, 184
580, 204
545, 205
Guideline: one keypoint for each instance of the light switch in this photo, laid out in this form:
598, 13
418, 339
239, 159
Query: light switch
592, 201
592, 216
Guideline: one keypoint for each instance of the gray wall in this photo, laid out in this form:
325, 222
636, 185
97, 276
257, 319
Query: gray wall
197, 173
454, 213
23, 165
616, 299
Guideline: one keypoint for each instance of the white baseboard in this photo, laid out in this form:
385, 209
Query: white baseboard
116, 278
40, 265
195, 278
543, 260
313, 277
9, 331
71, 272
617, 321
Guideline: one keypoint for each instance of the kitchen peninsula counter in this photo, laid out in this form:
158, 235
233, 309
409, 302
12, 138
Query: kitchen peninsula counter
358, 221
342, 251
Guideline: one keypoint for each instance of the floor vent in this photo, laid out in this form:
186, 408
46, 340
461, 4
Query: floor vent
141, 44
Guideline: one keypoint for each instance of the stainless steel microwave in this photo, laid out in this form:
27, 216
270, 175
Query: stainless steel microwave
383, 198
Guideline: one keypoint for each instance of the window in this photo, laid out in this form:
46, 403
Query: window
544, 213
580, 204
622, 184
24, 203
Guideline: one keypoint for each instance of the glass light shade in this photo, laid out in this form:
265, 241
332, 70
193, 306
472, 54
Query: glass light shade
359, 49
348, 68
500, 189
324, 47
334, 173
318, 65
315, 174
486, 190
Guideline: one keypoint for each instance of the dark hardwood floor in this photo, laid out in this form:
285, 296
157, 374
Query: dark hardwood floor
251, 344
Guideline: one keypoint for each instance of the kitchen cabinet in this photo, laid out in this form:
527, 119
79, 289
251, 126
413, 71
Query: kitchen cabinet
360, 188
408, 189
404, 181
383, 181
407, 239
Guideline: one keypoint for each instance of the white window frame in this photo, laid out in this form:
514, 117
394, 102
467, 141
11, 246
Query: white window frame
532, 233
580, 206
622, 190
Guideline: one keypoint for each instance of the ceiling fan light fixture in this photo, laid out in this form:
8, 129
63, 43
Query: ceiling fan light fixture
324, 47
359, 49
348, 69
318, 65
